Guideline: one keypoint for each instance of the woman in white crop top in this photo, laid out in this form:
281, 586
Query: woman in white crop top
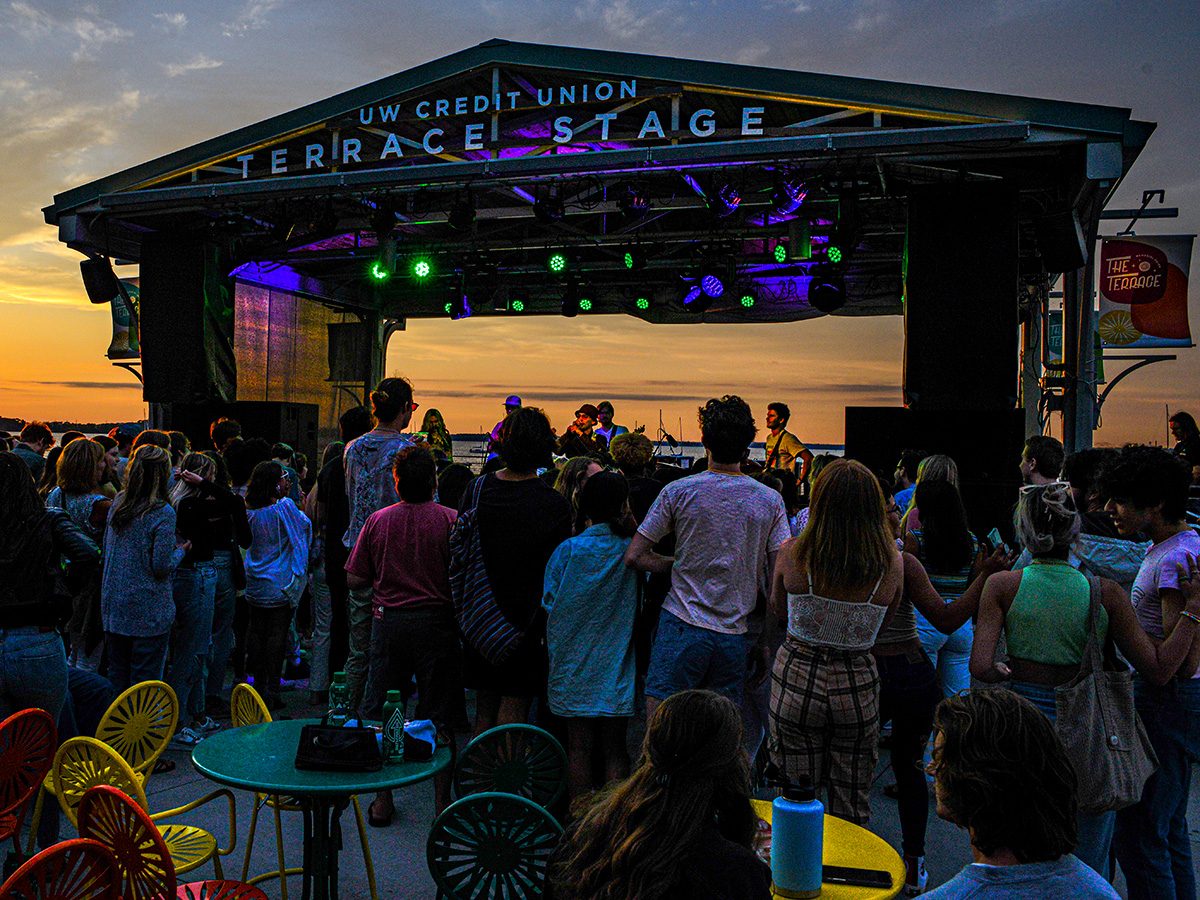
836, 583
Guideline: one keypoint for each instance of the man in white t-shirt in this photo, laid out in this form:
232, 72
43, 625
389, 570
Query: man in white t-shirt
1147, 489
728, 529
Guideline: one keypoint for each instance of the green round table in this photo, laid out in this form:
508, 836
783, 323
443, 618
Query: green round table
262, 758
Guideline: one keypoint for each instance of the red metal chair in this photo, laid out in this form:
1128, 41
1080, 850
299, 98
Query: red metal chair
27, 743
145, 870
70, 870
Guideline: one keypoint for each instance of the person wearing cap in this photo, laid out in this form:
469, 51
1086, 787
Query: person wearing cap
606, 429
124, 435
581, 438
511, 405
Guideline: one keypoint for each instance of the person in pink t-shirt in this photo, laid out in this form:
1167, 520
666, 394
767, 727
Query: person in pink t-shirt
403, 555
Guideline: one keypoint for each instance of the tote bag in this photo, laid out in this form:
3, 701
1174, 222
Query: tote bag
1104, 736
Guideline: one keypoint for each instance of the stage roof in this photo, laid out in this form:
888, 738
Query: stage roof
484, 163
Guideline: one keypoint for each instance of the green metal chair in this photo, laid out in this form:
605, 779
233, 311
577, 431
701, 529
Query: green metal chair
513, 759
492, 846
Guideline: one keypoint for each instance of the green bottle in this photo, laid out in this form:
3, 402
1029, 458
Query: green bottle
337, 699
393, 728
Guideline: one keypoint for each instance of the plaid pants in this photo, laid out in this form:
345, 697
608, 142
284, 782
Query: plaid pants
825, 723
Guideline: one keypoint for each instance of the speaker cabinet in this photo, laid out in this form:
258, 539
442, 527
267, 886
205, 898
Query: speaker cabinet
960, 298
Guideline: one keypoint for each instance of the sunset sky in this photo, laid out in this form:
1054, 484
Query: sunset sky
87, 89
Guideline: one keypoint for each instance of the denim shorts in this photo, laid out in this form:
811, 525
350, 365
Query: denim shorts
686, 656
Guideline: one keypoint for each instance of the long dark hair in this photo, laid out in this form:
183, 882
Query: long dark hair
604, 500
945, 535
263, 489
145, 486
634, 843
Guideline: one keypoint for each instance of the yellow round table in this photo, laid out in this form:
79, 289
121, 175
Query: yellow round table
847, 844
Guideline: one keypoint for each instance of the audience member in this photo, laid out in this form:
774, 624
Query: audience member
571, 479
35, 440
402, 556
180, 447
590, 599
141, 552
1001, 773
223, 432
452, 481
1147, 490
276, 574
907, 470
680, 826
1041, 460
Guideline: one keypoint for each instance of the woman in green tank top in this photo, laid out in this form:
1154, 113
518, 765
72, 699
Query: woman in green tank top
1043, 612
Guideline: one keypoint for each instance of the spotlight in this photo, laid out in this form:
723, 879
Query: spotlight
747, 296
556, 262
632, 203
517, 306
585, 305
449, 307
634, 259
462, 214
788, 197
549, 209
712, 280
422, 267
826, 291
642, 303
695, 300
379, 271
833, 253
780, 253
570, 301
724, 200
748, 300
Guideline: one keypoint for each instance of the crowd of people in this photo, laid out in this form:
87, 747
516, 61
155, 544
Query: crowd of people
775, 619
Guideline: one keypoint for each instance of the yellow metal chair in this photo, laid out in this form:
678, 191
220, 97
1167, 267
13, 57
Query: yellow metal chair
84, 762
247, 708
138, 724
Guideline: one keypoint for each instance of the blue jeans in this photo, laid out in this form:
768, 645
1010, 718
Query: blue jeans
949, 653
33, 671
224, 604
132, 660
686, 656
1152, 841
195, 592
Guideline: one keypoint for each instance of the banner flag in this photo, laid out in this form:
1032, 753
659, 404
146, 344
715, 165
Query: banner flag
1143, 287
124, 344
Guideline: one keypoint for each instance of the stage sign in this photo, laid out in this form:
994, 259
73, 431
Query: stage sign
124, 344
1143, 288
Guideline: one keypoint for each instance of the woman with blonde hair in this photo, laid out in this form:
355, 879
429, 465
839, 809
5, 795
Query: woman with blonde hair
437, 435
140, 555
680, 826
571, 479
836, 584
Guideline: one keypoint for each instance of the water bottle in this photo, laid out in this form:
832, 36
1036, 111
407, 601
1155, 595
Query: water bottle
338, 714
393, 728
797, 841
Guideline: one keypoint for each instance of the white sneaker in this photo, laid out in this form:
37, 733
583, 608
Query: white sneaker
921, 875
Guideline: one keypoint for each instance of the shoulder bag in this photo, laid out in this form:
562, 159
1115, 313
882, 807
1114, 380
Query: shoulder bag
1104, 736
480, 618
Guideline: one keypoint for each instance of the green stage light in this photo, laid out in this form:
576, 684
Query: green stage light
834, 254
780, 253
421, 268
517, 306
449, 308
557, 262
643, 302
747, 300
379, 271
629, 259
585, 304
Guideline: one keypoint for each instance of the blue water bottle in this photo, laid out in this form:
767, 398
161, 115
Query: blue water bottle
797, 841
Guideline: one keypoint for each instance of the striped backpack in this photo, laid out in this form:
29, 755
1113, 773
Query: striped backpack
480, 619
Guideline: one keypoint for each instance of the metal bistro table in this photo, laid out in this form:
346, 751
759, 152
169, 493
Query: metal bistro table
263, 758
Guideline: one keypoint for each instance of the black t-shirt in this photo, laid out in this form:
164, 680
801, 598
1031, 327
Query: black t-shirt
331, 492
210, 522
1189, 450
520, 525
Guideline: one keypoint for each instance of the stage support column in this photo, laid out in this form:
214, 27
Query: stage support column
1031, 366
1079, 337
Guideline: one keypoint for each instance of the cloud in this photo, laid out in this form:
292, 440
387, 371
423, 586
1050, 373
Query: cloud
172, 22
620, 18
200, 62
91, 31
91, 385
252, 17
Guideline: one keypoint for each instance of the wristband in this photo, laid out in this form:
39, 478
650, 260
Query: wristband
1192, 616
